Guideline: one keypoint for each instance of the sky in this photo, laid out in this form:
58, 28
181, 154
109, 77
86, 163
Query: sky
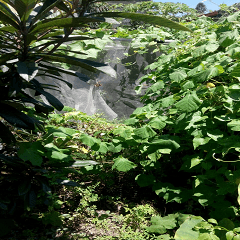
210, 4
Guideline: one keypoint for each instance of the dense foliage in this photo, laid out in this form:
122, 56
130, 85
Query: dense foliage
180, 152
173, 11
34, 35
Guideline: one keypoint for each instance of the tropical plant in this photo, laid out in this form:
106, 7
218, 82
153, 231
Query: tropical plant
189, 123
32, 34
32, 38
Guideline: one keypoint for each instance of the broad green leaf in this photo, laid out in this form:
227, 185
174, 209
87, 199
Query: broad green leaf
178, 76
123, 165
228, 38
195, 161
233, 17
161, 224
87, 140
185, 231
207, 74
215, 134
199, 141
156, 229
229, 235
159, 143
58, 156
144, 132
188, 85
27, 70
234, 92
189, 103
32, 152
154, 20
158, 123
61, 132
164, 237
234, 125
156, 86
114, 147
87, 64
167, 101
236, 71
144, 180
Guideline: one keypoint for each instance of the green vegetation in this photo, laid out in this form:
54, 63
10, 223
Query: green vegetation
170, 171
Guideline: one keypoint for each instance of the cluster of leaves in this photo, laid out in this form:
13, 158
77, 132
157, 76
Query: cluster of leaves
184, 142
192, 106
174, 11
31, 35
189, 227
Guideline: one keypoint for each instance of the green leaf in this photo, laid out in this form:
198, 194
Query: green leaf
234, 125
87, 140
156, 86
158, 122
31, 151
144, 180
178, 76
58, 156
144, 132
207, 74
236, 71
15, 117
45, 9
123, 165
62, 70
5, 8
234, 92
27, 70
215, 134
199, 141
61, 23
7, 20
195, 161
86, 64
228, 38
185, 231
162, 145
154, 20
24, 8
189, 103
229, 235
